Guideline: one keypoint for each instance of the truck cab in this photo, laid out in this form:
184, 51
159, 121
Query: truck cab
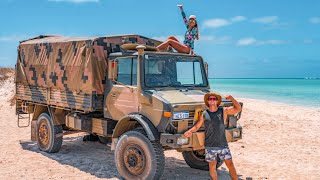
167, 90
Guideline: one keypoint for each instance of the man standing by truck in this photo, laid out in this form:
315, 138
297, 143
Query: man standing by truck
216, 146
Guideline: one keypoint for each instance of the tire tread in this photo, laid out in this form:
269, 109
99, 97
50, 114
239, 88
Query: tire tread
160, 158
57, 141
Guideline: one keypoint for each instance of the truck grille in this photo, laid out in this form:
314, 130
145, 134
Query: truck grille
191, 116
189, 122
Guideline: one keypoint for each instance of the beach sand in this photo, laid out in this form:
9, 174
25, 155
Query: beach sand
280, 141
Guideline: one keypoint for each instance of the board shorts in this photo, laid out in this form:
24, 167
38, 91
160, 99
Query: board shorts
217, 153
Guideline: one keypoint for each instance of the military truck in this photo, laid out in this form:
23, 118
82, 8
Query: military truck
120, 89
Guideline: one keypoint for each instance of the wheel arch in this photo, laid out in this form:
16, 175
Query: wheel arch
56, 115
38, 110
128, 123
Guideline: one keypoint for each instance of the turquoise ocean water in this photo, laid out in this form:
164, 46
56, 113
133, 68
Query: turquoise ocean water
305, 92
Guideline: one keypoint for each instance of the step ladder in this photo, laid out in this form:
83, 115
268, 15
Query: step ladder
22, 113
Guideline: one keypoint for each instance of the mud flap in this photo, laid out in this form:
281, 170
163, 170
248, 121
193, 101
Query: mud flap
33, 130
114, 143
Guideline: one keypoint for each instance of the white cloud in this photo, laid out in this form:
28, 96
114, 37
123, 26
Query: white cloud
13, 38
252, 41
247, 41
220, 22
272, 42
266, 20
272, 22
307, 41
74, 1
314, 20
238, 19
216, 23
203, 38
215, 40
265, 60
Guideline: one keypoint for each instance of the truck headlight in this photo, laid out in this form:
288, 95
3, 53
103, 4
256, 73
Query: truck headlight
182, 140
236, 134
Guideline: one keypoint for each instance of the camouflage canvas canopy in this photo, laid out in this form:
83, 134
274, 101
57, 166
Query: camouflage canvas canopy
70, 64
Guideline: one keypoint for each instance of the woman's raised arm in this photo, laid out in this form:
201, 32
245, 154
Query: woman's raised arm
184, 16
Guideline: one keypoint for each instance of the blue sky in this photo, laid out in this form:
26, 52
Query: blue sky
238, 38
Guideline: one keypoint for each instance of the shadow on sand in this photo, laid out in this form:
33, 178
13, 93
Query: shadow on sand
98, 160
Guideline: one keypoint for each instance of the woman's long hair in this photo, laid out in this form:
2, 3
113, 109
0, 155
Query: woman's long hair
198, 34
196, 26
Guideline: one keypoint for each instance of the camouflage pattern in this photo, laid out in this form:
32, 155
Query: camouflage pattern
71, 68
121, 101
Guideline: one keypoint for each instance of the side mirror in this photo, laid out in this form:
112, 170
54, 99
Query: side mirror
113, 70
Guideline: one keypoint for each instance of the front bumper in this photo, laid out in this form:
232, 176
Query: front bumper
196, 141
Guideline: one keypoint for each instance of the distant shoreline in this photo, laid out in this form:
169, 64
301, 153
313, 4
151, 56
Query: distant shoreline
306, 78
295, 91
280, 101
262, 101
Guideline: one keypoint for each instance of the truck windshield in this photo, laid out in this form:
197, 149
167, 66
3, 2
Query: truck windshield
174, 71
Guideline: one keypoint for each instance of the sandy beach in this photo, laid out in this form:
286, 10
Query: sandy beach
280, 141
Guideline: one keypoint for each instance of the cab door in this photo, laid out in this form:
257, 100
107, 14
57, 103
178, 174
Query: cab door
122, 98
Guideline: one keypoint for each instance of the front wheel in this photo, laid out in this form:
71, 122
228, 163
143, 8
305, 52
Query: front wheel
196, 160
136, 157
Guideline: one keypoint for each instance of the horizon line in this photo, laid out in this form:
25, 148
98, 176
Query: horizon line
266, 78
309, 78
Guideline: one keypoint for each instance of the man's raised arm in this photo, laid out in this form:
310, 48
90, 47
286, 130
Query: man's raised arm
236, 106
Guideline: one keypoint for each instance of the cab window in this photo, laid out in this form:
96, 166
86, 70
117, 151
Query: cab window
127, 71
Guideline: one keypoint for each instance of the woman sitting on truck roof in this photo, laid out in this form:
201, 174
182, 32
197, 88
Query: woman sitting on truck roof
191, 34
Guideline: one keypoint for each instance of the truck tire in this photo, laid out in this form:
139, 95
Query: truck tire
49, 136
196, 160
136, 157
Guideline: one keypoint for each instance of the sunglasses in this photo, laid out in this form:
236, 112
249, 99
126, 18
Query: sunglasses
192, 20
212, 99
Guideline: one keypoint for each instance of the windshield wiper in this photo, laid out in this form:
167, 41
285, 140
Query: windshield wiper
188, 85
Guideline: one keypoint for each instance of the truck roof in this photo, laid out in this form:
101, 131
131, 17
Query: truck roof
135, 53
58, 38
